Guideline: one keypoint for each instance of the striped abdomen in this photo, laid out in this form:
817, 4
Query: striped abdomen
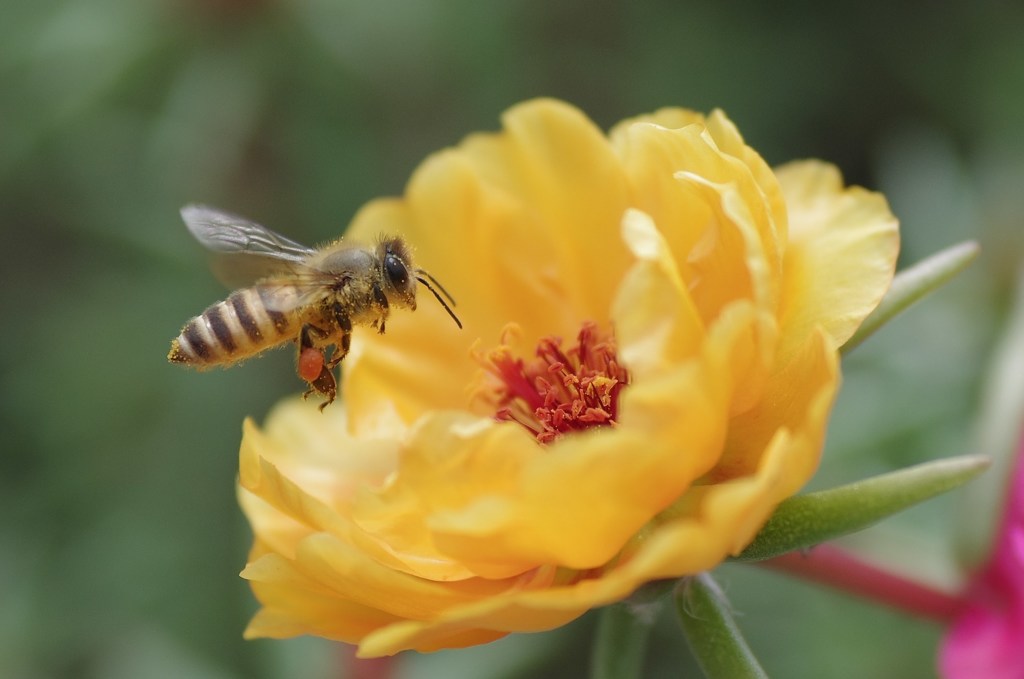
229, 331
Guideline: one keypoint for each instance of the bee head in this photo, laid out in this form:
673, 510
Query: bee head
396, 262
400, 278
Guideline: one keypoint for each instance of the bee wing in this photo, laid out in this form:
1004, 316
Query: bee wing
290, 291
240, 271
243, 251
223, 232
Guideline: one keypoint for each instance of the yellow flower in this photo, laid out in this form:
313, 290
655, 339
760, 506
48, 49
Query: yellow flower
500, 480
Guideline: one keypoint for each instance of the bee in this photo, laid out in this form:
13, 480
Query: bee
313, 297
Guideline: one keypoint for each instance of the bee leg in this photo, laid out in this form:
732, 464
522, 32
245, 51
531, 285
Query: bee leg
345, 329
307, 333
382, 302
313, 368
324, 384
308, 367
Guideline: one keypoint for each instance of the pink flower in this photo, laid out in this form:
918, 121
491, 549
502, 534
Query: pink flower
986, 638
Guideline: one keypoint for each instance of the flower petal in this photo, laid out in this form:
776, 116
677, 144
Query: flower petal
841, 257
721, 518
452, 462
797, 398
554, 160
721, 213
294, 604
656, 330
287, 501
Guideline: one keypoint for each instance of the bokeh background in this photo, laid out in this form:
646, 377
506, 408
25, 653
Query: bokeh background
120, 539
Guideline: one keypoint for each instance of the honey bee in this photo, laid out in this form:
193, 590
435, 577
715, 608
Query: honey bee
313, 297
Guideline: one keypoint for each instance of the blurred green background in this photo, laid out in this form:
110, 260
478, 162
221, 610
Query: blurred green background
120, 539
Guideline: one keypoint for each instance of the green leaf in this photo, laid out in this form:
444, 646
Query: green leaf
806, 520
711, 632
912, 284
621, 642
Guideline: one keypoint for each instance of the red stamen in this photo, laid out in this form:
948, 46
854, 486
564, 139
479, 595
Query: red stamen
559, 391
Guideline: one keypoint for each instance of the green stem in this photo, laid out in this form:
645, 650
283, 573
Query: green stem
621, 643
713, 636
806, 520
837, 568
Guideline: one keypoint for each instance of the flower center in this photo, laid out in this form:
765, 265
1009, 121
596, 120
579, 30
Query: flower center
561, 390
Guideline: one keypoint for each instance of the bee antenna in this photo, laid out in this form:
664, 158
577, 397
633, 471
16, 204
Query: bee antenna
421, 272
426, 284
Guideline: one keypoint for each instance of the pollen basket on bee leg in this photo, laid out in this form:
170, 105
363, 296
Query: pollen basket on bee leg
311, 362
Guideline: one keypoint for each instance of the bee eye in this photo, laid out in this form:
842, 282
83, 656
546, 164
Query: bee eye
396, 271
